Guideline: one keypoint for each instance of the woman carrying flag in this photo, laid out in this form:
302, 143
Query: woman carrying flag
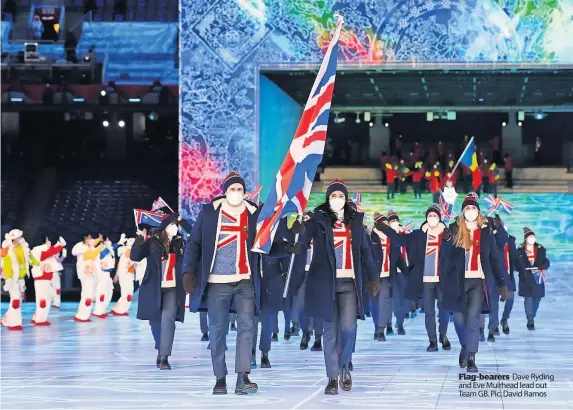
531, 262
341, 262
470, 254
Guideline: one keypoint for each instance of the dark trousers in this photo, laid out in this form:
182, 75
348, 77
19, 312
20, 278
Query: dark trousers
433, 294
508, 306
220, 296
306, 323
493, 188
366, 301
391, 190
163, 330
467, 321
267, 320
493, 311
341, 332
382, 305
203, 322
531, 306
399, 304
417, 190
288, 303
509, 179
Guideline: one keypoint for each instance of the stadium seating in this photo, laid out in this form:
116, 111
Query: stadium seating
14, 184
52, 52
133, 52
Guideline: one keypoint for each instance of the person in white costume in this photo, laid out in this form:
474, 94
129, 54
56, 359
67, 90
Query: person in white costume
104, 288
450, 193
56, 280
15, 268
125, 275
87, 265
44, 264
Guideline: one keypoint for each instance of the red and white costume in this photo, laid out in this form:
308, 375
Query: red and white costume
126, 275
104, 287
44, 266
15, 268
56, 280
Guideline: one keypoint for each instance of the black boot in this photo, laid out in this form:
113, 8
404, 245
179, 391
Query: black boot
472, 367
505, 327
164, 363
379, 334
446, 345
332, 386
294, 331
205, 337
481, 335
244, 385
304, 341
530, 325
265, 362
401, 331
220, 386
157, 361
463, 359
389, 331
367, 313
317, 346
433, 347
233, 327
496, 331
350, 366
275, 337
345, 380
490, 337
287, 334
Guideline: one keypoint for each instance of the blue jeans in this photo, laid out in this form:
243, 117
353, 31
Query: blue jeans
164, 330
531, 306
433, 294
400, 305
203, 322
220, 296
341, 332
467, 321
267, 321
382, 305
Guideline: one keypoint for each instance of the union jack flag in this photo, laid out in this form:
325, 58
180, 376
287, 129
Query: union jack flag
255, 196
539, 276
293, 182
150, 218
358, 202
408, 227
446, 208
158, 204
495, 204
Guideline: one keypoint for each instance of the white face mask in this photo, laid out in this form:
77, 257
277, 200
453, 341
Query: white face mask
171, 230
337, 204
394, 225
471, 215
234, 198
531, 240
433, 221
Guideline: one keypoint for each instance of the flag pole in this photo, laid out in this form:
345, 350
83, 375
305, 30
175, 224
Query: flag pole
291, 264
460, 158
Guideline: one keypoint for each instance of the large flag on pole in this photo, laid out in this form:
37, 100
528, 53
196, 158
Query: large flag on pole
294, 180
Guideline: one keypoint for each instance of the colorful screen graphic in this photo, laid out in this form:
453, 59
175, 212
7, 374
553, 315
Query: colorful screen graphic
224, 43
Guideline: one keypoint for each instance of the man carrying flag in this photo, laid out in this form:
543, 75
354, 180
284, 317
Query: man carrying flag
469, 160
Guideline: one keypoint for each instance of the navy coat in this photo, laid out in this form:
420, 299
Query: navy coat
396, 260
512, 264
201, 245
415, 243
320, 282
274, 274
452, 278
501, 239
527, 285
150, 293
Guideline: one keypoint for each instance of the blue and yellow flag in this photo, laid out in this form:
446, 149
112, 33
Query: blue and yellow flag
469, 157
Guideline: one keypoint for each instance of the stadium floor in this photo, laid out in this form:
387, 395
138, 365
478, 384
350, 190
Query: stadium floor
111, 364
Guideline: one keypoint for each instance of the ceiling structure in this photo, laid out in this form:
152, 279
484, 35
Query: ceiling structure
532, 90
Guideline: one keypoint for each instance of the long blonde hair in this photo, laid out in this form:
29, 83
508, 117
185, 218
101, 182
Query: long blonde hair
463, 237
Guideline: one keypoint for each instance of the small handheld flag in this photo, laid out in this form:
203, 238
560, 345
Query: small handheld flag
408, 227
496, 204
152, 219
255, 195
446, 208
160, 203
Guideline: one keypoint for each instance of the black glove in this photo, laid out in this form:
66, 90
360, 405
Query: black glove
503, 294
373, 287
292, 247
189, 282
297, 227
447, 234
